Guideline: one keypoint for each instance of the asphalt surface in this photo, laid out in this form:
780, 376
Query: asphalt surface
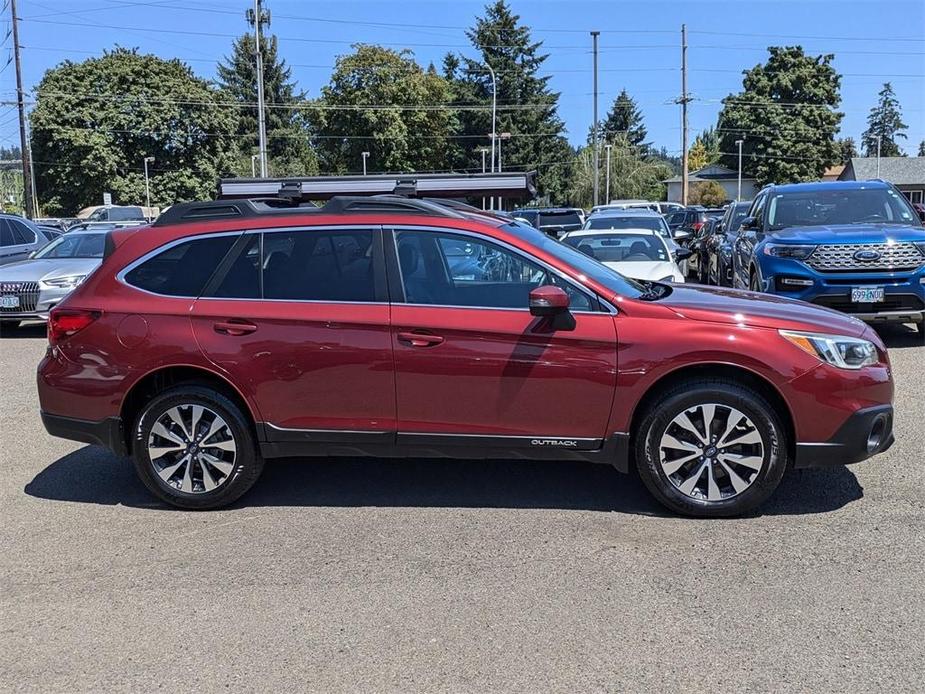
362, 575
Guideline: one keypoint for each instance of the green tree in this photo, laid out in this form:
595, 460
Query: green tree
786, 115
885, 124
94, 122
285, 118
380, 101
632, 176
527, 108
708, 194
625, 118
848, 149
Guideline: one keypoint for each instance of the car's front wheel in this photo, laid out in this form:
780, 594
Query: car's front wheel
194, 448
711, 448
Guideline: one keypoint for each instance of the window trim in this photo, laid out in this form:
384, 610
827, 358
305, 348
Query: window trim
397, 287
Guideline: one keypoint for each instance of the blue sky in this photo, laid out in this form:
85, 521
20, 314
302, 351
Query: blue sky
873, 41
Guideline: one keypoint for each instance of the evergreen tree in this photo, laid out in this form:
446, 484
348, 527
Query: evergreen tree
527, 108
786, 114
848, 149
288, 150
922, 148
884, 122
625, 118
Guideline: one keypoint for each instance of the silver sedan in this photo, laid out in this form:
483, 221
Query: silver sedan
30, 288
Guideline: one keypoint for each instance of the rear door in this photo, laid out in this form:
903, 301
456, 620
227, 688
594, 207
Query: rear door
15, 243
474, 366
300, 318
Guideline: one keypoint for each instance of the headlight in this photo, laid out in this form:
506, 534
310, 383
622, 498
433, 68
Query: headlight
837, 350
65, 282
781, 250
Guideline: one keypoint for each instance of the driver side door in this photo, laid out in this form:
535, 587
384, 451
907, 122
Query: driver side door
472, 365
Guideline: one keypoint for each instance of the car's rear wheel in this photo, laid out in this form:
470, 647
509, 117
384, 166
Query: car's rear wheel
754, 283
195, 449
711, 448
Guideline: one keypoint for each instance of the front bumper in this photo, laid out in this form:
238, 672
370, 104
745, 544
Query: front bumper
107, 432
35, 305
903, 292
864, 434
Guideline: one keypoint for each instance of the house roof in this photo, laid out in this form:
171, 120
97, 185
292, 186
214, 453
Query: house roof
833, 172
713, 172
898, 170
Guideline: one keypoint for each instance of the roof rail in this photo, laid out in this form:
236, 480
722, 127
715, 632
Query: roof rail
213, 210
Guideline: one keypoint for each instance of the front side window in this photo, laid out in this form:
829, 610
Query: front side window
182, 269
458, 270
319, 265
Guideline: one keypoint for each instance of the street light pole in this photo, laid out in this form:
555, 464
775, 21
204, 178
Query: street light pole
254, 158
261, 121
878, 155
494, 118
484, 151
594, 142
501, 137
364, 155
607, 147
147, 184
739, 192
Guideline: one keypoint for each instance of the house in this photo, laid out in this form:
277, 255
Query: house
727, 178
906, 173
833, 172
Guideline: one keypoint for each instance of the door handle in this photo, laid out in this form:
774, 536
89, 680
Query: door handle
416, 339
234, 327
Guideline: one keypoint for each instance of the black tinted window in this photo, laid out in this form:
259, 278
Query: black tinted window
125, 214
181, 270
21, 233
242, 280
319, 266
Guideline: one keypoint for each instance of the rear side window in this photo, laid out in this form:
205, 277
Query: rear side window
6, 236
319, 265
21, 233
183, 269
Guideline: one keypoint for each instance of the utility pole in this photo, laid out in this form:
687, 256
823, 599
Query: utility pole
364, 155
254, 158
597, 158
147, 184
258, 19
607, 147
28, 193
878, 155
739, 193
684, 99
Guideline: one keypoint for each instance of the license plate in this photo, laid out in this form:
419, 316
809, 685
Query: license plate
9, 302
866, 295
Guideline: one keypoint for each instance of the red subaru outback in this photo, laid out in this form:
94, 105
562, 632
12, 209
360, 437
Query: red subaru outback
230, 332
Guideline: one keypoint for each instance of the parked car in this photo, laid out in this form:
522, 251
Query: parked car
639, 219
853, 246
920, 210
50, 232
19, 237
118, 213
684, 224
30, 288
104, 226
719, 244
667, 208
554, 221
636, 253
212, 341
697, 245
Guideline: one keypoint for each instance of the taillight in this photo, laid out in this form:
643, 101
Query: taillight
64, 322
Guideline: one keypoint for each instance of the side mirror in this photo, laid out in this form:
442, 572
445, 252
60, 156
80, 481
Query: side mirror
680, 235
548, 300
31, 255
683, 254
749, 223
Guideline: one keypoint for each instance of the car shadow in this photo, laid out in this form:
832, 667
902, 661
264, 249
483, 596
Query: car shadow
900, 335
93, 475
27, 330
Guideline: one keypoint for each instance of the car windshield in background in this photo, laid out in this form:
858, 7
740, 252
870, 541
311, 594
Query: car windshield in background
613, 280
826, 207
656, 224
677, 217
75, 246
620, 248
555, 219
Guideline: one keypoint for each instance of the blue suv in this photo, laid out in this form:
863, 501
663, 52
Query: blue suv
853, 246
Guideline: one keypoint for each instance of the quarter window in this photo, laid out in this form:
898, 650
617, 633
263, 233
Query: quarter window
183, 269
457, 270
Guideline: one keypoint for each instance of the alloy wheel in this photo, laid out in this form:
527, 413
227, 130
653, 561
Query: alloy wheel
192, 449
711, 452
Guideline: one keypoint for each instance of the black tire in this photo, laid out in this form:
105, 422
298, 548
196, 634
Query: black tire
247, 462
754, 284
728, 394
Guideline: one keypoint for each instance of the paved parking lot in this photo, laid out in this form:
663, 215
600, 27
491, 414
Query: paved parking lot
458, 576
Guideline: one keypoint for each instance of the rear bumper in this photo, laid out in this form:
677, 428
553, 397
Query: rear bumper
107, 432
864, 434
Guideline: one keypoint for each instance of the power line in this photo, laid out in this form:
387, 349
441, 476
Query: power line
885, 39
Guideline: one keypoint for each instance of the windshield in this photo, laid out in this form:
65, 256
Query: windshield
852, 206
620, 248
585, 265
739, 212
75, 246
555, 219
656, 224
